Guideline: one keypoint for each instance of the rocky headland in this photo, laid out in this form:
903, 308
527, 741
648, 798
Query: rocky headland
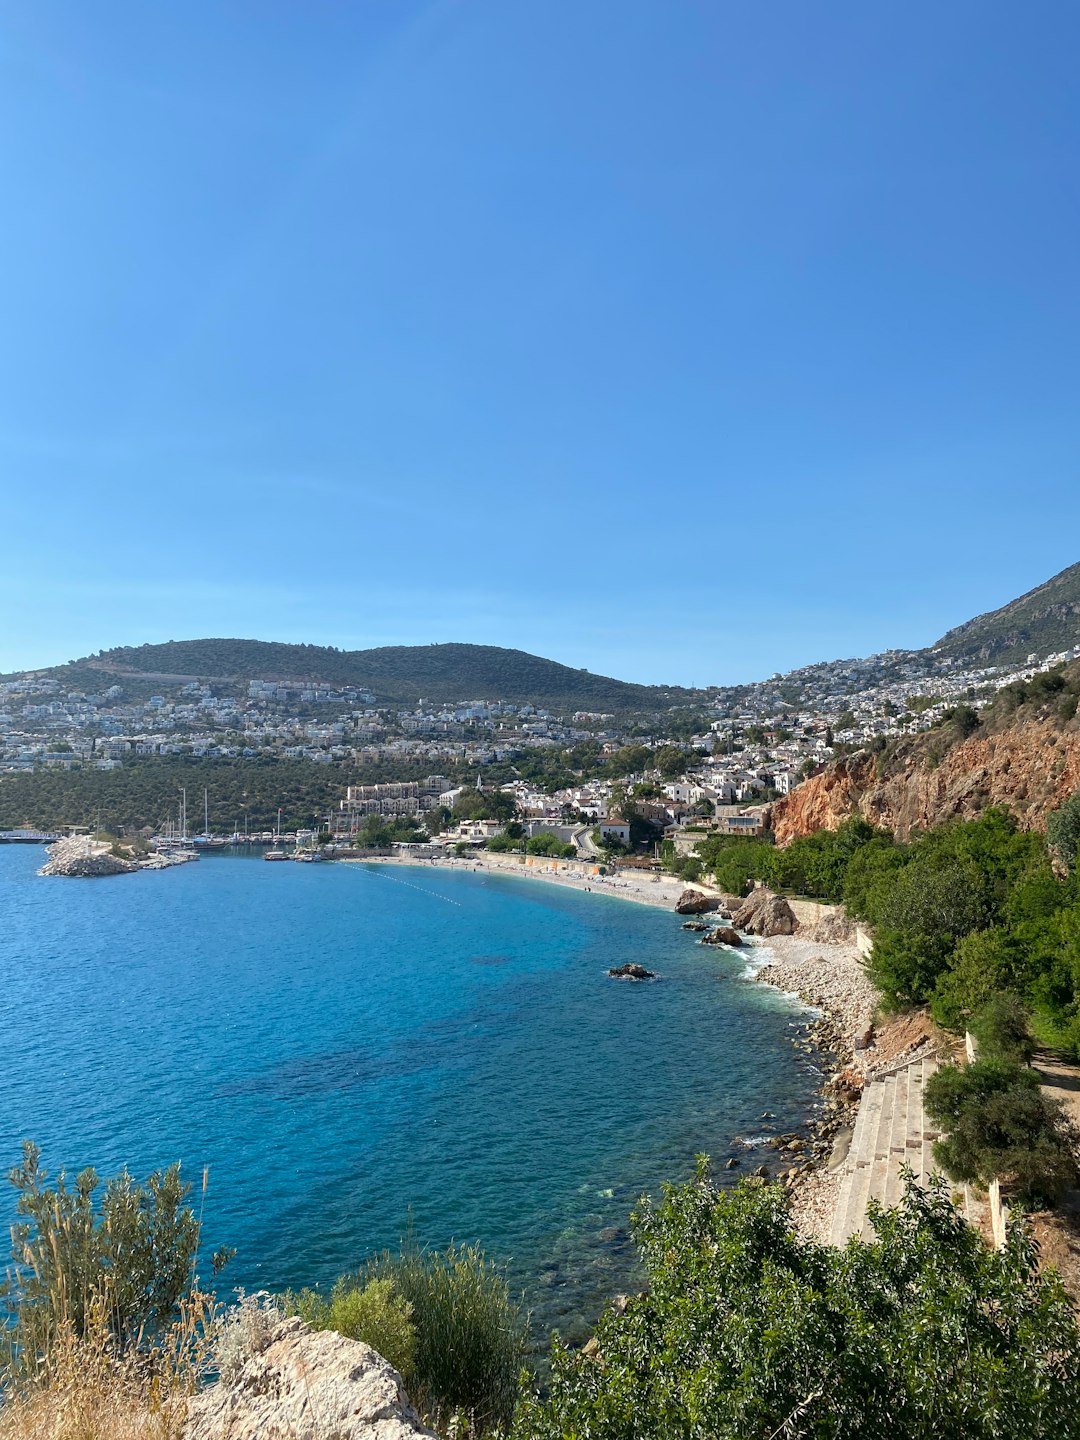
82, 857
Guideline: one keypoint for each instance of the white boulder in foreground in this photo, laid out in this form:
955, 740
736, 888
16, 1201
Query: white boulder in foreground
307, 1385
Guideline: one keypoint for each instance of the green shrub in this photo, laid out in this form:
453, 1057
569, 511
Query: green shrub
120, 1256
545, 843
374, 1314
735, 863
470, 1332
749, 1330
983, 964
1001, 1126
1063, 830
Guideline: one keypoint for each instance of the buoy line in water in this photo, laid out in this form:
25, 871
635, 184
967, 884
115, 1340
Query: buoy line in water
422, 888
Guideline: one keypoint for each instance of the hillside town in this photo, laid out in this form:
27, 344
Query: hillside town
746, 745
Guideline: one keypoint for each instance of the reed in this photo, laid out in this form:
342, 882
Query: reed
108, 1329
470, 1333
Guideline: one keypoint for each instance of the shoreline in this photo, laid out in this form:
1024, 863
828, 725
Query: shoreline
831, 977
826, 975
658, 890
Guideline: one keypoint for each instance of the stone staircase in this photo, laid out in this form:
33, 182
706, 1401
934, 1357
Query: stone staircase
891, 1128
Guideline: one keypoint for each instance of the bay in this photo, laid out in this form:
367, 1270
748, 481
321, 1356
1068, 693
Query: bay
355, 1050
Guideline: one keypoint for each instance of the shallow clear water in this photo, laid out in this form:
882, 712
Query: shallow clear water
347, 1045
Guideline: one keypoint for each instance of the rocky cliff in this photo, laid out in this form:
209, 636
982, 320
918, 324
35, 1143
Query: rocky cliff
1031, 767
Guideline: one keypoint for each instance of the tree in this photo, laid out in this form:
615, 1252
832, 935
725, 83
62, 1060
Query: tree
747, 1329
926, 908
964, 719
437, 819
483, 805
671, 761
1001, 1028
545, 843
1063, 831
983, 964
1001, 1126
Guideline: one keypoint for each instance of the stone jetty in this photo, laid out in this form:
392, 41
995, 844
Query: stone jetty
83, 857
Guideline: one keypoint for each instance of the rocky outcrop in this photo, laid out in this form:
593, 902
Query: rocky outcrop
81, 856
722, 935
763, 913
306, 1385
696, 902
1031, 768
834, 928
630, 971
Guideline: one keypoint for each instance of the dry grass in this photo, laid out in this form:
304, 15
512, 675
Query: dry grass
84, 1394
83, 1389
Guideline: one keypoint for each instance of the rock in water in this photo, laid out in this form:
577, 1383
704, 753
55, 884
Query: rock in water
631, 972
307, 1385
722, 935
763, 913
695, 902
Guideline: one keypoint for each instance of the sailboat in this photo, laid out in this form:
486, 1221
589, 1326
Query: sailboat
206, 841
276, 853
174, 841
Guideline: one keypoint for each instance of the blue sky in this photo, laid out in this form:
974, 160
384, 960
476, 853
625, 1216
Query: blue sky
682, 341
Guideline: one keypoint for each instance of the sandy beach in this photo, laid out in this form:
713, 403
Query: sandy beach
646, 888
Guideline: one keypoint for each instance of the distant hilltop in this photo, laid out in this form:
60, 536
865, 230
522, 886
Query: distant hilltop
1041, 624
396, 674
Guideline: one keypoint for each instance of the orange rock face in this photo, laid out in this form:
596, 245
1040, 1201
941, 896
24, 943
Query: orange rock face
1030, 768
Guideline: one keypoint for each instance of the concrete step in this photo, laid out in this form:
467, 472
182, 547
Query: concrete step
837, 1232
852, 1215
890, 1129
898, 1138
879, 1168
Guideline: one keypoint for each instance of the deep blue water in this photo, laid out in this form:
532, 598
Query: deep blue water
345, 1045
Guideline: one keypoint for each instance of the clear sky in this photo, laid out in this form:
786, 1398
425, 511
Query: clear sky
681, 341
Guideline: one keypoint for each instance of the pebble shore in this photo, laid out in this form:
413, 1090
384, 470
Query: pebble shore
832, 978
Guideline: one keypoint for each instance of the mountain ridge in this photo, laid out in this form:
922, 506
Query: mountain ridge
402, 674
1045, 619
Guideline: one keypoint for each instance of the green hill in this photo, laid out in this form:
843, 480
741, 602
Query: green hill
397, 673
1043, 622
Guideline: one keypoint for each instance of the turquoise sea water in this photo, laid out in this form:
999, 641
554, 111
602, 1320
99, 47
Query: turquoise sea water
347, 1045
